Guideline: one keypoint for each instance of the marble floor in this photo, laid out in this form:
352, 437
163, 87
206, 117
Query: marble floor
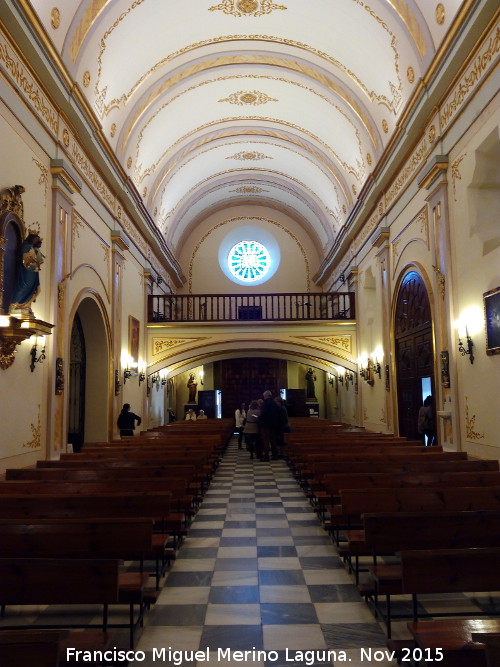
258, 573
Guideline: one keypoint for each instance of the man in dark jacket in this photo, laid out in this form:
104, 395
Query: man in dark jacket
126, 420
270, 422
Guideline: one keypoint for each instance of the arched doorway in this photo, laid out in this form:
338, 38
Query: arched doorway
88, 395
414, 351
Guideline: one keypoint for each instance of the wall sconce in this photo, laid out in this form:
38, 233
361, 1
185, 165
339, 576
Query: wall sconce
164, 381
33, 352
127, 373
387, 378
377, 369
466, 349
118, 384
330, 379
202, 373
142, 377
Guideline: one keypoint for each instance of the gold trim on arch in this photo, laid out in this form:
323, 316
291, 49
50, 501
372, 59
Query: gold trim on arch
242, 132
281, 62
391, 105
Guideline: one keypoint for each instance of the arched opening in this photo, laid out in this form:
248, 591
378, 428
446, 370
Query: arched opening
88, 385
414, 351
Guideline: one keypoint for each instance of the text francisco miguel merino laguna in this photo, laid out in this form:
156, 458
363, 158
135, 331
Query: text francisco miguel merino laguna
223, 654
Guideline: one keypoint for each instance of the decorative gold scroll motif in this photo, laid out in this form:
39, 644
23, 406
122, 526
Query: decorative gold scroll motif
254, 98
241, 8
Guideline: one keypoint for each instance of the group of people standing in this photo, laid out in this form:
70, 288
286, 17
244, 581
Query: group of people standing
263, 427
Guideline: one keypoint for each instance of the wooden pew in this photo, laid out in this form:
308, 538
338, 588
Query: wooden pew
491, 641
41, 581
126, 538
388, 533
449, 571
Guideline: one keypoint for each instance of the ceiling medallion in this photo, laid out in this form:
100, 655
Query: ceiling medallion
249, 155
55, 18
246, 7
440, 13
255, 98
385, 126
86, 79
249, 190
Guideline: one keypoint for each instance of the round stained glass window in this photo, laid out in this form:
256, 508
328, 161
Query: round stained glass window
248, 261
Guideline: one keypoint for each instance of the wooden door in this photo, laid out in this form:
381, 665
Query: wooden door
414, 350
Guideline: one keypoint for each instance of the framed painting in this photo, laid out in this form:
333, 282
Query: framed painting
133, 341
492, 320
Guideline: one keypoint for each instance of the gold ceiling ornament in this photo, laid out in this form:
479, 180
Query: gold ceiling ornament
344, 209
65, 137
249, 155
249, 190
155, 212
55, 18
354, 190
112, 130
241, 8
410, 73
440, 13
129, 163
254, 98
385, 126
432, 134
369, 159
86, 79
144, 192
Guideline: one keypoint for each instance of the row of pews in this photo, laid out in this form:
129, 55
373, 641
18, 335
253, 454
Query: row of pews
409, 521
68, 526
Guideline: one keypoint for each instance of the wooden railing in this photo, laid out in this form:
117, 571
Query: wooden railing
290, 307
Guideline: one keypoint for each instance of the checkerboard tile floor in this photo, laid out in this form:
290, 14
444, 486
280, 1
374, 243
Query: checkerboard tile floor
258, 573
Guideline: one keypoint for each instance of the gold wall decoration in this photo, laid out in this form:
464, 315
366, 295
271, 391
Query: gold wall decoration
144, 192
241, 8
249, 190
55, 18
410, 74
161, 345
369, 159
86, 79
440, 13
253, 98
44, 177
65, 137
432, 134
112, 130
36, 431
342, 341
470, 423
249, 155
354, 190
476, 70
385, 126
24, 81
455, 174
410, 168
155, 212
129, 163
441, 280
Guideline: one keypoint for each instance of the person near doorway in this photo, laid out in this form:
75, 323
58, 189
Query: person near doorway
126, 420
240, 416
284, 427
190, 415
426, 423
251, 430
202, 415
270, 423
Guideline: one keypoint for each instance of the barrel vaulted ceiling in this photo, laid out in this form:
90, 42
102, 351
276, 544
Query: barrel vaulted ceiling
210, 104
